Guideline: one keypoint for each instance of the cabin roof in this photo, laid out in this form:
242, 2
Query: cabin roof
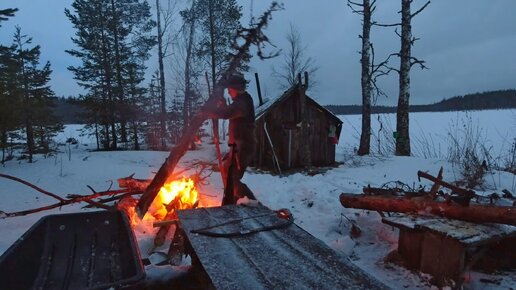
266, 107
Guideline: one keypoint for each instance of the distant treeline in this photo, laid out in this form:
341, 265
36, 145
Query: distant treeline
69, 110
503, 99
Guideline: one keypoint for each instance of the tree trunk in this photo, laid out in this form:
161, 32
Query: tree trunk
365, 136
4, 144
187, 108
163, 115
402, 116
135, 134
107, 88
107, 141
120, 85
471, 213
97, 134
212, 44
27, 105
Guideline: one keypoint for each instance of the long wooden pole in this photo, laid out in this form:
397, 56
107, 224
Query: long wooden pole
253, 36
472, 213
216, 139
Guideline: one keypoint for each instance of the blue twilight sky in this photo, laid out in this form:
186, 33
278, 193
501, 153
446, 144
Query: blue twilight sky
469, 45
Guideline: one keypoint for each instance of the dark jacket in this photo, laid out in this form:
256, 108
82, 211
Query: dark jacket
241, 120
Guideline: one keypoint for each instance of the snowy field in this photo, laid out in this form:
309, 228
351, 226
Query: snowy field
313, 200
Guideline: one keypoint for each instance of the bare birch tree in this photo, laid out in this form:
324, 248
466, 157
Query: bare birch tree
165, 17
406, 63
370, 70
295, 62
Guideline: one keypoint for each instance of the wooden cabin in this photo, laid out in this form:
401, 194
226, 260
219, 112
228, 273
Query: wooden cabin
282, 136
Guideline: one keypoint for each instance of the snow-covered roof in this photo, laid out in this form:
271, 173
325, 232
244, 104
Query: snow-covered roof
261, 110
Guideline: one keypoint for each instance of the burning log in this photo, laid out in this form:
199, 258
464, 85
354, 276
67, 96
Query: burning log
250, 36
164, 223
160, 237
139, 185
472, 213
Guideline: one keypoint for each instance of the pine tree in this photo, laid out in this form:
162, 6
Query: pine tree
218, 21
6, 13
32, 86
114, 41
9, 100
8, 117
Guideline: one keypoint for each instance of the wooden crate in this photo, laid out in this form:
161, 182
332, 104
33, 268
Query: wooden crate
447, 248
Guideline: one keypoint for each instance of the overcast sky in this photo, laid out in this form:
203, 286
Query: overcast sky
468, 45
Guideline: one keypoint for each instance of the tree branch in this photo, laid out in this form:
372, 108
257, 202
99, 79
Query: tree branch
73, 199
421, 9
353, 9
414, 61
32, 186
386, 25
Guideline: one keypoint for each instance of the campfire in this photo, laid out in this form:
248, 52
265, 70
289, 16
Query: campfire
173, 195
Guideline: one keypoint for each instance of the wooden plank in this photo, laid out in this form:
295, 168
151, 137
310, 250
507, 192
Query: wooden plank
282, 258
441, 256
409, 222
470, 234
467, 233
409, 247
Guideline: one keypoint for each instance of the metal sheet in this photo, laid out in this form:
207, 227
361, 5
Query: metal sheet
286, 258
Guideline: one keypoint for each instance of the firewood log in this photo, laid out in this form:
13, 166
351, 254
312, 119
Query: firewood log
473, 212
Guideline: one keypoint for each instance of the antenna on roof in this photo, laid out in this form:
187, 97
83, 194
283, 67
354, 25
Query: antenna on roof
251, 20
258, 88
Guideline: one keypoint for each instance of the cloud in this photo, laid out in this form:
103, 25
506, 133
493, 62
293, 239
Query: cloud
468, 45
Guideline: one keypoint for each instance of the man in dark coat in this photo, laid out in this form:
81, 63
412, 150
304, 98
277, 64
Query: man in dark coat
242, 139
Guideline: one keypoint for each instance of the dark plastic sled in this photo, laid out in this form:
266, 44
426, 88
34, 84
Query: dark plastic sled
92, 250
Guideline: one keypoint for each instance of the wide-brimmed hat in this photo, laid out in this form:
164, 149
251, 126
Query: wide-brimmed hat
236, 81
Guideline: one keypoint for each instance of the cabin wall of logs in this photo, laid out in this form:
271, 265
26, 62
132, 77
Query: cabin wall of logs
282, 125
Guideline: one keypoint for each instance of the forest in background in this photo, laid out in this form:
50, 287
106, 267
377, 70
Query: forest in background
69, 110
502, 99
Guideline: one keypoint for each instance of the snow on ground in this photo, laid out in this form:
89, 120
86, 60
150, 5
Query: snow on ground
313, 200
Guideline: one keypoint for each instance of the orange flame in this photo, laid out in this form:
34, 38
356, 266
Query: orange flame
181, 193
176, 194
